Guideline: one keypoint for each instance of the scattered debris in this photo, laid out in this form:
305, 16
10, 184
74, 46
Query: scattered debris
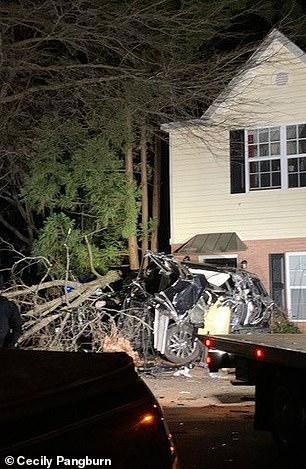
183, 372
115, 342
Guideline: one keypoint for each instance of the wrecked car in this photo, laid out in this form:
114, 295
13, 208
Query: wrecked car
171, 302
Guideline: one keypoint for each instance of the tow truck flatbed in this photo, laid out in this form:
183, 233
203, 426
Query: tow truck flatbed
276, 365
288, 349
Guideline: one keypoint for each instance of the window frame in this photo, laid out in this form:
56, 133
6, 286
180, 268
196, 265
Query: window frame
289, 287
283, 157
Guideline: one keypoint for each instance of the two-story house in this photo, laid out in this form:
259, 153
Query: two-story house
238, 175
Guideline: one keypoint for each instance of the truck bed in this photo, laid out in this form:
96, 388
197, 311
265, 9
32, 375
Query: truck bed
287, 349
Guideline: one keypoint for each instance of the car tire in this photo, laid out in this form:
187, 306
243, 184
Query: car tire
182, 346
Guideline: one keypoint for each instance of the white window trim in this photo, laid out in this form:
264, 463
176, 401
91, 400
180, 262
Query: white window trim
287, 283
283, 157
246, 159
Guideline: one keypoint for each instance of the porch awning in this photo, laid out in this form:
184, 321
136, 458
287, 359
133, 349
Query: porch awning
212, 243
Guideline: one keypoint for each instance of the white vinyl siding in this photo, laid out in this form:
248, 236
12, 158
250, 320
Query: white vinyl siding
201, 201
258, 101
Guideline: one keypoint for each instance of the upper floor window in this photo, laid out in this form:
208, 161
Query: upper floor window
268, 158
263, 154
296, 155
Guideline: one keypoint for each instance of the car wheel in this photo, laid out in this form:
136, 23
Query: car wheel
182, 346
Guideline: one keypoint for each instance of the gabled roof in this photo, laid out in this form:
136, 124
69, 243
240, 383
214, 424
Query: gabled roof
255, 59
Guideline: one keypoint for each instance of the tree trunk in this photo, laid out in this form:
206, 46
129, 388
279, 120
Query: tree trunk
156, 193
132, 240
144, 190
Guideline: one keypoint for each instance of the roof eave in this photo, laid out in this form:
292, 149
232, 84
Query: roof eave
169, 126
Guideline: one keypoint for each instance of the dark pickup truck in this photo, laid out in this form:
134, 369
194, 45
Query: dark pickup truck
59, 408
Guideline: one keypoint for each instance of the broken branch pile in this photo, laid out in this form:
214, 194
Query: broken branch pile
61, 315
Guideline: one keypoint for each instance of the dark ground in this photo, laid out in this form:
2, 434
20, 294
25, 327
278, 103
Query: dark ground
212, 421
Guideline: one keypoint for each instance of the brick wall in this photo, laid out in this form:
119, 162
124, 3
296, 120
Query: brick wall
258, 252
301, 326
257, 256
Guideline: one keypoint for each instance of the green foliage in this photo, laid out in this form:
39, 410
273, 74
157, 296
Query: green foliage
57, 238
78, 181
66, 248
49, 167
98, 174
280, 323
132, 208
286, 328
147, 229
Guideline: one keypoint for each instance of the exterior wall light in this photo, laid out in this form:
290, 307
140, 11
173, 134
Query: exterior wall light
244, 264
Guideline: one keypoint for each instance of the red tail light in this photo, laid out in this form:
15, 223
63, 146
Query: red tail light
209, 343
259, 353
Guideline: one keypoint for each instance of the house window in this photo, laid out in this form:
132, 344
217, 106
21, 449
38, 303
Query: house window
296, 153
296, 284
263, 153
275, 157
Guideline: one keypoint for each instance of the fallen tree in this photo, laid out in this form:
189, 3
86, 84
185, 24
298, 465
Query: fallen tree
65, 314
62, 315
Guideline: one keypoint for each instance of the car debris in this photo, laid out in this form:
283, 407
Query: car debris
183, 372
170, 302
